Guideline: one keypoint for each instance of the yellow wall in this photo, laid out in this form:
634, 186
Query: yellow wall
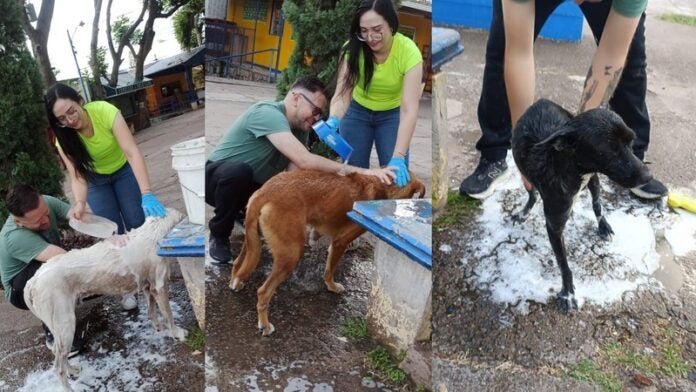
235, 13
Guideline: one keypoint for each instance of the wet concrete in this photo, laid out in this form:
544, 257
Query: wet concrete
22, 349
487, 345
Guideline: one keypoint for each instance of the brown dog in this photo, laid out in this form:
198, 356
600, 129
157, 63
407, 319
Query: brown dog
290, 201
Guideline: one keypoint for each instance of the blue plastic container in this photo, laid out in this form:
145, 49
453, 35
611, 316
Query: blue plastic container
564, 24
332, 139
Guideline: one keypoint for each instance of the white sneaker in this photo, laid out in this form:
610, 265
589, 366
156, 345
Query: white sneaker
128, 302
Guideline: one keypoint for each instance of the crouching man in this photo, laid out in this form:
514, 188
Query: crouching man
29, 237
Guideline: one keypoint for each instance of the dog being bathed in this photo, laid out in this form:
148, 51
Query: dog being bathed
560, 154
53, 292
285, 205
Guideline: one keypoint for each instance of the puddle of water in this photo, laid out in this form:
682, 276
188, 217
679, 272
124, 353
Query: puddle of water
515, 263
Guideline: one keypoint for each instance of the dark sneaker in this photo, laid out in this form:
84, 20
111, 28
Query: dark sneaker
78, 341
486, 177
219, 249
652, 190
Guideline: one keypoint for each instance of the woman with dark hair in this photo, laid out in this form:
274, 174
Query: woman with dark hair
378, 89
107, 170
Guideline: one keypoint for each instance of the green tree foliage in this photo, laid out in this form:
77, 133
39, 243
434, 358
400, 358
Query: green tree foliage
25, 154
320, 28
188, 24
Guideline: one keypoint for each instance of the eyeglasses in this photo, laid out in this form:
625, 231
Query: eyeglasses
367, 36
316, 110
71, 114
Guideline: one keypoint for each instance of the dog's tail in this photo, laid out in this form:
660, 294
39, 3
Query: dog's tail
250, 254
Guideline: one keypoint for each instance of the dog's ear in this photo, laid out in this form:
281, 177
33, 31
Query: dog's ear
559, 140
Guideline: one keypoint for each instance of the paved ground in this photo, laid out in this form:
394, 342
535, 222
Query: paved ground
122, 353
487, 345
308, 351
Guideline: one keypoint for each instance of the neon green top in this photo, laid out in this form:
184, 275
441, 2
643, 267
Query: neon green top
246, 140
19, 246
103, 147
386, 87
627, 8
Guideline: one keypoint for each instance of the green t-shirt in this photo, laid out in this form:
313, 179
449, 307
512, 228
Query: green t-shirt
246, 140
103, 146
387, 84
627, 8
19, 246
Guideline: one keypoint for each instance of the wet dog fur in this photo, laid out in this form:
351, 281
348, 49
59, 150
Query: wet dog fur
290, 201
53, 292
560, 154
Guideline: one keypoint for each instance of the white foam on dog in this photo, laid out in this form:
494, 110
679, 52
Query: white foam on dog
115, 370
514, 263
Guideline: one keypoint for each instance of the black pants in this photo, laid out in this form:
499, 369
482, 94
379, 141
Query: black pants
18, 282
228, 187
628, 100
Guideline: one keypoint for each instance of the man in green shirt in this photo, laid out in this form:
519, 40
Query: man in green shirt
268, 138
29, 238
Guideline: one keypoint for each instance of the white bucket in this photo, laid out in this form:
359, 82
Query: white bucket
188, 159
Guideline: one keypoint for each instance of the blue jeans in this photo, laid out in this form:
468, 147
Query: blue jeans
117, 197
362, 127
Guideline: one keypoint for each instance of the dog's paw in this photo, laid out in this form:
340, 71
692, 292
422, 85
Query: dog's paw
266, 330
179, 333
236, 284
566, 302
335, 287
604, 230
519, 217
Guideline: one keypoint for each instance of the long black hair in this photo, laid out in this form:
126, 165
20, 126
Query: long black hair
69, 140
354, 47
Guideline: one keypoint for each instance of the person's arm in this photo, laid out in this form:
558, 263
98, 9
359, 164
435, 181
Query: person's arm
48, 252
341, 99
132, 152
608, 61
300, 158
78, 186
408, 114
518, 19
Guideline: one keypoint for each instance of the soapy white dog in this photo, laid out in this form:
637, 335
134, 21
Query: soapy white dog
114, 266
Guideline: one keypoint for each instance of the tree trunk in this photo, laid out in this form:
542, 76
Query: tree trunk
117, 53
93, 62
39, 38
154, 12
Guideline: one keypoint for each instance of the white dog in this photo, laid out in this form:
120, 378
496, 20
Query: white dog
53, 292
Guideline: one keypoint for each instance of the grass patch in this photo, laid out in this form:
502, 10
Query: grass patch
620, 355
586, 370
672, 362
355, 328
383, 364
457, 208
679, 19
196, 339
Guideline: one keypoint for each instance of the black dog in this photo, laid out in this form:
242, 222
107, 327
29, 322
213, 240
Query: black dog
559, 154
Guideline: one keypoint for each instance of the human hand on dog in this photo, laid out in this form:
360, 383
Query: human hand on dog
118, 240
385, 174
152, 206
399, 165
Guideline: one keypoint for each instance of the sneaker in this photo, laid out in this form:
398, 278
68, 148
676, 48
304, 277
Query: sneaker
219, 249
77, 345
652, 190
128, 302
486, 177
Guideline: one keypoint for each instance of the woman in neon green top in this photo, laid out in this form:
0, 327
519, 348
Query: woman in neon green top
106, 168
378, 89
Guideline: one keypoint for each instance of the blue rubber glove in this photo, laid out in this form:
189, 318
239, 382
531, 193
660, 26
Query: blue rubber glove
152, 206
402, 176
333, 122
